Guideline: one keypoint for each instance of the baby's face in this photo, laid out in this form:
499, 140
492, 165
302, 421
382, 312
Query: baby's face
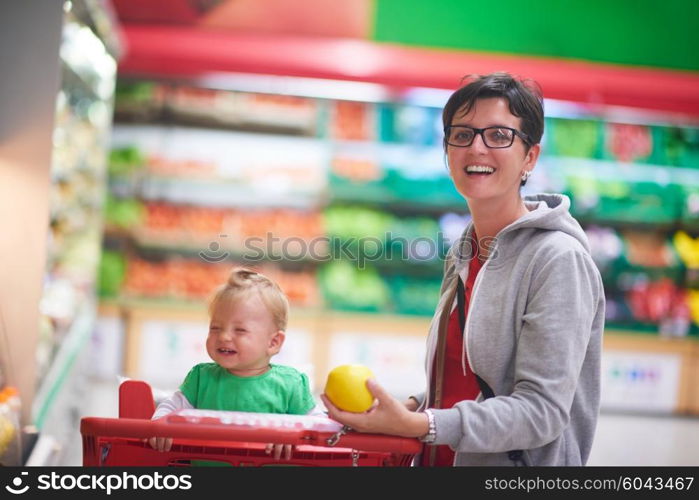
242, 336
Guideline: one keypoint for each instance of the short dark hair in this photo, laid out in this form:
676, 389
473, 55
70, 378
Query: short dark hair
524, 97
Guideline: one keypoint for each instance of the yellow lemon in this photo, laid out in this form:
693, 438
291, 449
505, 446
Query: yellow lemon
346, 388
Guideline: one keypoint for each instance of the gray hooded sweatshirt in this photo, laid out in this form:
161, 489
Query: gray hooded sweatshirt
533, 333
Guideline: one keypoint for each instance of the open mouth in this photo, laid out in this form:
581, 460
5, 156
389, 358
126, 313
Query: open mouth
479, 170
226, 352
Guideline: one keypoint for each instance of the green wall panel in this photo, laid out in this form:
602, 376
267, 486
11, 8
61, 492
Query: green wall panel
635, 32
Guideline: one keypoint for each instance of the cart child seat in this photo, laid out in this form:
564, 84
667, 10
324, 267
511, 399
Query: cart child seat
231, 438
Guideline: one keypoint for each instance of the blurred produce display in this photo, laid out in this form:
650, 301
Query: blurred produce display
350, 202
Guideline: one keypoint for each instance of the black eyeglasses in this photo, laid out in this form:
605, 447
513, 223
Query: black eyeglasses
462, 136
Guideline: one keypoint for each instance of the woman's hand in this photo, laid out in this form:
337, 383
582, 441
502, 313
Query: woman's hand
278, 448
386, 416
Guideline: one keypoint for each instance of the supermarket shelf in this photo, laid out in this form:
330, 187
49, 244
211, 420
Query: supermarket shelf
167, 118
398, 205
174, 306
205, 252
224, 194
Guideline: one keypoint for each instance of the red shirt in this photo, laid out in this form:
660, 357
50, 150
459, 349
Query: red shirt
455, 386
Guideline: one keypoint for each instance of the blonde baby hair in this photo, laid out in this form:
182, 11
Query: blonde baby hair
243, 282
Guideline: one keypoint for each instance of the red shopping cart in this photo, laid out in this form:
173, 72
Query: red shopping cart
235, 438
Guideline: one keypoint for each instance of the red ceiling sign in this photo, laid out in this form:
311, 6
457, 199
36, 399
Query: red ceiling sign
192, 38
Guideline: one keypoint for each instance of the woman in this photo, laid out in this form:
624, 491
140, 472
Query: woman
513, 353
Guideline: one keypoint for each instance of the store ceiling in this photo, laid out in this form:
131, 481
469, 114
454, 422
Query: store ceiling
595, 52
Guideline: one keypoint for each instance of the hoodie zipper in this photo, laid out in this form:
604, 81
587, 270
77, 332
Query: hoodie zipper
467, 356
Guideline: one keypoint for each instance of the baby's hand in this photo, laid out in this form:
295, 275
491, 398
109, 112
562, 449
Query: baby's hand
160, 443
288, 449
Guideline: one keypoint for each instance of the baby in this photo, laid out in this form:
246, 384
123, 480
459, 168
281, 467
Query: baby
248, 319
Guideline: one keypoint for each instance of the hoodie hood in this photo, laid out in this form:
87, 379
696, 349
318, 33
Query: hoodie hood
551, 212
547, 212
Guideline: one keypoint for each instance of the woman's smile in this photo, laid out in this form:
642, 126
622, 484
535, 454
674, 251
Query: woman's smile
479, 170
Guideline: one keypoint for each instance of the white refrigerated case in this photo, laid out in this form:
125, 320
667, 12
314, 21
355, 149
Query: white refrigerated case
59, 66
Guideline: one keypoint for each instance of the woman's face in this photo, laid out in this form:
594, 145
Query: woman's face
501, 180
